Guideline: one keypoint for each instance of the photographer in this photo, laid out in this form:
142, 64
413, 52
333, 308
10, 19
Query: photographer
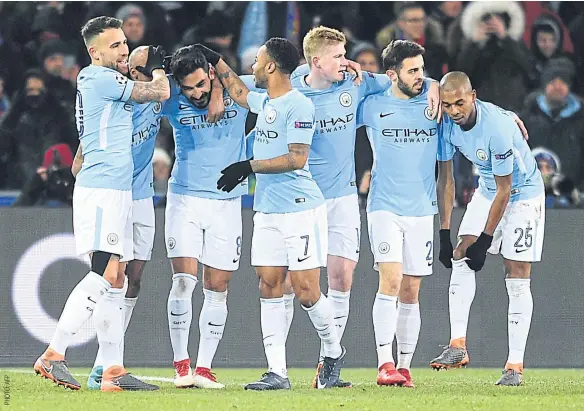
34, 122
53, 182
560, 191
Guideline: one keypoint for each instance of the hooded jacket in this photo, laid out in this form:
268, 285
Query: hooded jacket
498, 65
561, 133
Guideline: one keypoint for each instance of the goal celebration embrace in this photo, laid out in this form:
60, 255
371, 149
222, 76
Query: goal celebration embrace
275, 245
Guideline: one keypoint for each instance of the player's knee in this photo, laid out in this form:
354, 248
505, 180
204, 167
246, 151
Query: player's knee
217, 285
307, 297
408, 294
459, 253
342, 281
99, 262
270, 287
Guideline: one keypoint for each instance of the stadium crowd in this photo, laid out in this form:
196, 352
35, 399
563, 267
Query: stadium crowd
524, 56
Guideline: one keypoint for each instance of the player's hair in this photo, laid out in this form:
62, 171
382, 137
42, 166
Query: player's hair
98, 25
404, 6
187, 60
318, 38
397, 51
284, 53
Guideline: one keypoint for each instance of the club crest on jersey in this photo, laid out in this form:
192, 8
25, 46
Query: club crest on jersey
482, 155
383, 248
121, 79
270, 115
428, 113
228, 102
171, 243
345, 99
157, 107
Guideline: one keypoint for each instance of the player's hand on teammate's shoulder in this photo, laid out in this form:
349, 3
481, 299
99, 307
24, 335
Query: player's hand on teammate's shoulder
521, 125
354, 69
155, 59
434, 101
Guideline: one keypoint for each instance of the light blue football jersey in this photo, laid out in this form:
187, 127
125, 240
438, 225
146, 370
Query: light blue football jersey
332, 154
496, 147
404, 140
146, 119
104, 122
203, 149
288, 119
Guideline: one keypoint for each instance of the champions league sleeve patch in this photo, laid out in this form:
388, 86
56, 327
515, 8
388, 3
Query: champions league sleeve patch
504, 156
302, 124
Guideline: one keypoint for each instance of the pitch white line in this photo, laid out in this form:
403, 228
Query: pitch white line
141, 377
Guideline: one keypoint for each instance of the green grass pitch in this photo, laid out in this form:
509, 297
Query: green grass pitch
462, 389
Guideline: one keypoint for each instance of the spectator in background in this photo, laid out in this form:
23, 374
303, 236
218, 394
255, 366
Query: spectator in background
493, 54
4, 103
52, 58
52, 184
547, 41
555, 119
216, 32
367, 56
162, 164
11, 61
412, 24
445, 14
134, 24
34, 122
265, 19
560, 191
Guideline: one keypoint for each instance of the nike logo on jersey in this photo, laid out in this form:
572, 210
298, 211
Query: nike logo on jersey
178, 314
235, 260
89, 298
183, 106
215, 325
381, 115
520, 251
302, 259
383, 345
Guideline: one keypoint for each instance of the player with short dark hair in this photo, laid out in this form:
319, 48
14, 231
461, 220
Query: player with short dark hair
404, 137
102, 199
506, 215
290, 230
202, 223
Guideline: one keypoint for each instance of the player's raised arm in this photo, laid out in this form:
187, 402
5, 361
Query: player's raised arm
231, 81
158, 89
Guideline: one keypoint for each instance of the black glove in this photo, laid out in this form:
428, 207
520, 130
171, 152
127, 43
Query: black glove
477, 252
233, 175
166, 64
446, 249
154, 61
211, 56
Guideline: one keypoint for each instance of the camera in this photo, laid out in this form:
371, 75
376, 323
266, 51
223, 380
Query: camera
60, 181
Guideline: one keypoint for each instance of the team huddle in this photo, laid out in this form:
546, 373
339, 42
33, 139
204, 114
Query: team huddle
306, 206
